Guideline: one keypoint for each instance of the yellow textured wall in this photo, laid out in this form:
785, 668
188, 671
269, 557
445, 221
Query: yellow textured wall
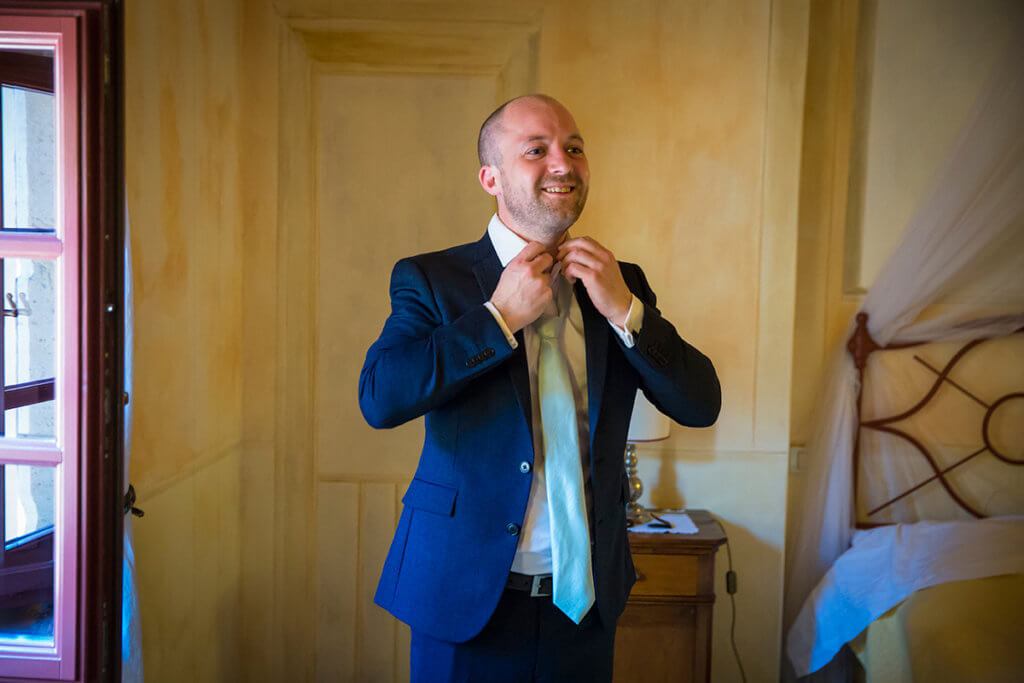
182, 165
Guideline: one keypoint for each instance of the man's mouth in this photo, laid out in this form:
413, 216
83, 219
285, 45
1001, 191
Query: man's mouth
559, 189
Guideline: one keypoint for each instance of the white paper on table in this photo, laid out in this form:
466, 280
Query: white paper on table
680, 521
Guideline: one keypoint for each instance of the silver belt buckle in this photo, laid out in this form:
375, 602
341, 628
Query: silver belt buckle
535, 588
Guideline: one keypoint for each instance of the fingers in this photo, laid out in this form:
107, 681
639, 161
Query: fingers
584, 258
591, 257
545, 261
576, 271
534, 258
586, 252
524, 288
584, 244
529, 252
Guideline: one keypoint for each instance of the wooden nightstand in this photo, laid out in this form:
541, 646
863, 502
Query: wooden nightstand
665, 632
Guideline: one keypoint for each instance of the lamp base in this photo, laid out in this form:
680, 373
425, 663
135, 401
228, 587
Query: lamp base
636, 514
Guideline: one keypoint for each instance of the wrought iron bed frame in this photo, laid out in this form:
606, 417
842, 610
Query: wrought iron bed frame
861, 346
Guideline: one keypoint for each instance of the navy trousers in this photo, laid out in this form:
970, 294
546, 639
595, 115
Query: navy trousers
526, 639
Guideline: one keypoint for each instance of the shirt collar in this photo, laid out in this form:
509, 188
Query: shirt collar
506, 243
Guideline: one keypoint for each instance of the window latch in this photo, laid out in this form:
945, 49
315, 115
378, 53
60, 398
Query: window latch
14, 311
129, 503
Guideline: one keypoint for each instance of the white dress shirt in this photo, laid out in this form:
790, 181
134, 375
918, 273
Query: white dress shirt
533, 553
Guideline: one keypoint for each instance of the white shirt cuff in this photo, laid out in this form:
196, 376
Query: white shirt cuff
504, 328
634, 321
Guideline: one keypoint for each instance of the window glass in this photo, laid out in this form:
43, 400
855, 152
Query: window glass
29, 359
26, 560
28, 140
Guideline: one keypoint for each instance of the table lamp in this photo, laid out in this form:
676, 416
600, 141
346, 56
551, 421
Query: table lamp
646, 424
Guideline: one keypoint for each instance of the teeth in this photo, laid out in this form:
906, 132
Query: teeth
560, 190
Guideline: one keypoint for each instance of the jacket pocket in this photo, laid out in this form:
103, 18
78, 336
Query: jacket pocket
426, 495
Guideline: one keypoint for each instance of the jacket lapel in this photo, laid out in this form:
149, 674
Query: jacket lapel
596, 331
488, 271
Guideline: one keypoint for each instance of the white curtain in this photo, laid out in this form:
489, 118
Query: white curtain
963, 250
131, 628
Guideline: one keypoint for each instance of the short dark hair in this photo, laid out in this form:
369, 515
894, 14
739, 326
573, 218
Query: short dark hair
487, 150
487, 142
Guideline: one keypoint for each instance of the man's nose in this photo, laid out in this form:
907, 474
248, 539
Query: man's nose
559, 162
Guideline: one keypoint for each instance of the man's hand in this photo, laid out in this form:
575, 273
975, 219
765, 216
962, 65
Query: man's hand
524, 289
584, 259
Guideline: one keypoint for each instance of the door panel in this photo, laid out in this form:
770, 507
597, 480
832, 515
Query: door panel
396, 175
396, 161
377, 161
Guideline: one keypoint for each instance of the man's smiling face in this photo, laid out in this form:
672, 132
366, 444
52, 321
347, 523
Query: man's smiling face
543, 176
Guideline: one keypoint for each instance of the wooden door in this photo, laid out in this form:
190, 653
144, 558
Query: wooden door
378, 161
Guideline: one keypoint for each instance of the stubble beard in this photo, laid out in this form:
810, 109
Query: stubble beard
545, 221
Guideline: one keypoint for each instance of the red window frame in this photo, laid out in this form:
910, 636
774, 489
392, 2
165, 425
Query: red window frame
34, 73
93, 196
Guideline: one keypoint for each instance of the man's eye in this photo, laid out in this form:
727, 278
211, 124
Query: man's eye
536, 151
575, 150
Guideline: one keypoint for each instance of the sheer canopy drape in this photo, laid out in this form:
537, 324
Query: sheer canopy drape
962, 254
131, 627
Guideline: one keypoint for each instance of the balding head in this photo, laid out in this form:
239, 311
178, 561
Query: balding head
532, 162
488, 149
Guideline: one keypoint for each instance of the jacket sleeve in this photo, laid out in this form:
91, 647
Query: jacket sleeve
420, 359
677, 378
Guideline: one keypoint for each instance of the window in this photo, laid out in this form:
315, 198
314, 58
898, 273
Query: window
60, 242
27, 340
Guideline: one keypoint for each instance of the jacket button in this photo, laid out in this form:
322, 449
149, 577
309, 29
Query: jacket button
512, 528
524, 467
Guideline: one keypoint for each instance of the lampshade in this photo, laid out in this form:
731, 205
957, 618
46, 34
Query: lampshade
647, 423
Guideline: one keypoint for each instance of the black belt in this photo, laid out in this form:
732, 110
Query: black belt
538, 586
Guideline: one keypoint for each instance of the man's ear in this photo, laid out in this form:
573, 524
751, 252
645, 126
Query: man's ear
490, 180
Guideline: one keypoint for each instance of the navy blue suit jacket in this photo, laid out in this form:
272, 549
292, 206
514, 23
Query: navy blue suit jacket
443, 356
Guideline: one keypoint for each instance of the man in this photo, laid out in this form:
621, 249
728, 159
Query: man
524, 352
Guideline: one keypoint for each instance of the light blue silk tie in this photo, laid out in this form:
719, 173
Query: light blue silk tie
572, 581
